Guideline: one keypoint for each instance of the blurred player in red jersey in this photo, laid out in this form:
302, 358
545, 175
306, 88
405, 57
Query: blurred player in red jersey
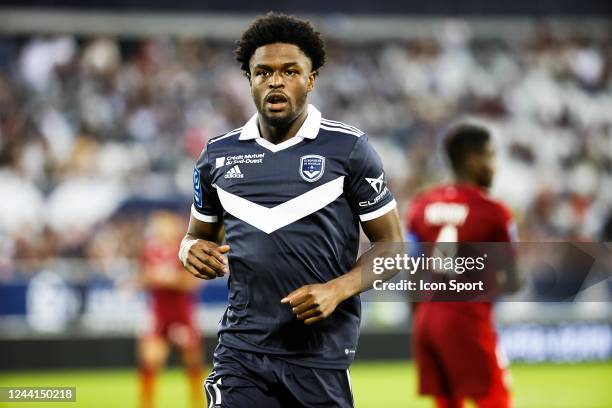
172, 306
455, 343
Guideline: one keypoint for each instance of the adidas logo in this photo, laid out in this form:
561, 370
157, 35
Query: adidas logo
234, 173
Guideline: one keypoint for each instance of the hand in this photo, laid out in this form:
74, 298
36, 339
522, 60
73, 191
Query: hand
205, 260
313, 303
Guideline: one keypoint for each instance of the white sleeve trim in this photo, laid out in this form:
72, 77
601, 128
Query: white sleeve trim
203, 217
377, 213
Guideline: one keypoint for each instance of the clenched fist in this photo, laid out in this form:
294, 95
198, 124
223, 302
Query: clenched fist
313, 303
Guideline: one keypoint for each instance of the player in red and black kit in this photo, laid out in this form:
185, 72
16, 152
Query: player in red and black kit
172, 307
455, 343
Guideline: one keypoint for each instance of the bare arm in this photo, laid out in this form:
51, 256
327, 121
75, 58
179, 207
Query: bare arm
205, 257
312, 303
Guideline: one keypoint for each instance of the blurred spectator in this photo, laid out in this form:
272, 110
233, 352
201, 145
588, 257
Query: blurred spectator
87, 122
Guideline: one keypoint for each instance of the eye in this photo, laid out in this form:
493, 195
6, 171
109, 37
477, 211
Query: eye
292, 72
262, 73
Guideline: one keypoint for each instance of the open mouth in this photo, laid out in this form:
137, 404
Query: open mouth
276, 101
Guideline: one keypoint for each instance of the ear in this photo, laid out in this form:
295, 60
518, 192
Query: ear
472, 163
311, 80
248, 75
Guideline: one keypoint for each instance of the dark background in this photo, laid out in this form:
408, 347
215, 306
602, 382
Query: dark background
430, 7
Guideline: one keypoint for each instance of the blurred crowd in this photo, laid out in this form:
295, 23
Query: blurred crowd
88, 124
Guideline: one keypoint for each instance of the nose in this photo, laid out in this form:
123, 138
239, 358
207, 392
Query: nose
276, 81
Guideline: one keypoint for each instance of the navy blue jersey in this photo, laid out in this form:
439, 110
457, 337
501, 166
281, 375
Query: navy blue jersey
291, 216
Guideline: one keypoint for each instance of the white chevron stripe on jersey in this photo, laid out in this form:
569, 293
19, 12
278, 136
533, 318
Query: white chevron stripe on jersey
269, 220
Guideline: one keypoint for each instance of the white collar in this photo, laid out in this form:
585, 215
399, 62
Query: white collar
308, 130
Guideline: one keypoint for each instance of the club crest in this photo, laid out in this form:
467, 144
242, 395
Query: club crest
312, 167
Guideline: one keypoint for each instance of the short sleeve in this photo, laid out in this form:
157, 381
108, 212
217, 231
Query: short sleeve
367, 185
206, 206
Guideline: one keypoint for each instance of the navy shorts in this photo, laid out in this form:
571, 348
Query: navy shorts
252, 380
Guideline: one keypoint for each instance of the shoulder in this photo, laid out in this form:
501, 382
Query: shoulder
350, 140
497, 208
227, 138
341, 128
504, 212
499, 219
218, 144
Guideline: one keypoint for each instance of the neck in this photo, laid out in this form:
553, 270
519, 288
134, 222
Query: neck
466, 180
277, 134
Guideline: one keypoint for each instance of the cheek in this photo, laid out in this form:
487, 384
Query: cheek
300, 86
256, 90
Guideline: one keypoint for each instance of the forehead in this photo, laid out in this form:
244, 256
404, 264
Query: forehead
279, 54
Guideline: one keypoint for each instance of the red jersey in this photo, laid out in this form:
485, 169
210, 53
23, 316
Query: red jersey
166, 301
460, 213
459, 336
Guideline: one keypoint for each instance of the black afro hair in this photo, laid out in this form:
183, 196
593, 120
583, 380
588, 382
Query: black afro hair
280, 28
463, 139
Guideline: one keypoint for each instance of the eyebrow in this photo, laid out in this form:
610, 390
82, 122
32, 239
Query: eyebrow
285, 65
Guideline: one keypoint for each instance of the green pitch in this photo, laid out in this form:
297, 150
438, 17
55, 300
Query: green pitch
388, 385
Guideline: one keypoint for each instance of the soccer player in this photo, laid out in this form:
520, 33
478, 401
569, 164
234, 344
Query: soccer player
172, 308
455, 343
289, 190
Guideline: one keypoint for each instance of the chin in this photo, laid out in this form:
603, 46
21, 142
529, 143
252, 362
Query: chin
277, 118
